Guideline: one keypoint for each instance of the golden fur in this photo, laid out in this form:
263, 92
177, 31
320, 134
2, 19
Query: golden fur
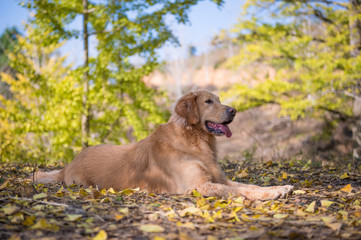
178, 157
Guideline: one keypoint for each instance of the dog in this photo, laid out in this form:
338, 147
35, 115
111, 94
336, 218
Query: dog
178, 157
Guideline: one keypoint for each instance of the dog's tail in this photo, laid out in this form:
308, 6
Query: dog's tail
48, 177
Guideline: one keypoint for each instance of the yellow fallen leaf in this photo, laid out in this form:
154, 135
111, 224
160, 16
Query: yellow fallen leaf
83, 193
344, 176
234, 216
222, 203
343, 213
190, 211
207, 216
38, 207
189, 225
347, 188
129, 191
196, 193
211, 237
9, 209
300, 212
334, 226
311, 207
328, 219
29, 221
17, 218
326, 203
125, 211
151, 228
73, 217
5, 184
158, 238
60, 193
242, 174
299, 192
239, 200
96, 194
118, 217
111, 191
217, 214
43, 224
102, 235
153, 217
105, 200
245, 217
308, 183
284, 175
280, 216
40, 196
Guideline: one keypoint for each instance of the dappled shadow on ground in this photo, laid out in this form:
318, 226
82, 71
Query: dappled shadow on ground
324, 205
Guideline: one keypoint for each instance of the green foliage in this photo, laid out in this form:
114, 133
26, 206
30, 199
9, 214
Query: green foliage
43, 119
308, 45
8, 41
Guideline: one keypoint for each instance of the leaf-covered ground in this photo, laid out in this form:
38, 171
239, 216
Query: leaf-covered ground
324, 205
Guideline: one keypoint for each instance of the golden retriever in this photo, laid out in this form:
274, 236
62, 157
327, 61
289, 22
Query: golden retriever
178, 157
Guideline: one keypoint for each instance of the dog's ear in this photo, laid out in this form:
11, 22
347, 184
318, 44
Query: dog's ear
187, 108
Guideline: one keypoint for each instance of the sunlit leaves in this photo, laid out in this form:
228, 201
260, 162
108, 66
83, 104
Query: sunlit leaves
151, 228
89, 212
40, 196
326, 203
42, 121
9, 209
347, 188
102, 235
310, 55
45, 225
73, 217
311, 207
42, 110
344, 176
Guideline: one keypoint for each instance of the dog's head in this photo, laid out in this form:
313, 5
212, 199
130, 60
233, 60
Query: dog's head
203, 109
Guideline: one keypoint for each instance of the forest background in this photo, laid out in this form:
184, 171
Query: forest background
298, 59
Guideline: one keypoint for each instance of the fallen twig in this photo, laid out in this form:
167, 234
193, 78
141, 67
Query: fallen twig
43, 202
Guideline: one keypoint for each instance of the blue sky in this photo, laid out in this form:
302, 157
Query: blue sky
206, 19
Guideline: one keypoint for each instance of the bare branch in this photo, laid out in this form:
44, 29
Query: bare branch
43, 202
320, 15
358, 98
343, 5
340, 115
89, 10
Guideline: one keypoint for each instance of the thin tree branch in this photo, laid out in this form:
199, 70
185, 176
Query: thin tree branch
320, 15
340, 115
358, 98
43, 202
343, 5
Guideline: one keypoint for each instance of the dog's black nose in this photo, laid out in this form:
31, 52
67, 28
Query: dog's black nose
232, 111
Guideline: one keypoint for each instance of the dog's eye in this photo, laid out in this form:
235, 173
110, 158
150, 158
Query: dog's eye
209, 101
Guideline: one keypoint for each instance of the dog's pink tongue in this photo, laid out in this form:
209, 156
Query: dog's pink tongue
225, 129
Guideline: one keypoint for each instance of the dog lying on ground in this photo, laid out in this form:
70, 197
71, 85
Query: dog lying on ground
178, 157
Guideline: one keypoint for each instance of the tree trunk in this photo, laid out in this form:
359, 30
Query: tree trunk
355, 41
85, 118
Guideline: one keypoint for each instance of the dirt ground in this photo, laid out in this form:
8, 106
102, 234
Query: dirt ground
261, 133
326, 204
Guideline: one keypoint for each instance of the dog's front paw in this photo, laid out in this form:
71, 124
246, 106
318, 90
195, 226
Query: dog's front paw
282, 191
